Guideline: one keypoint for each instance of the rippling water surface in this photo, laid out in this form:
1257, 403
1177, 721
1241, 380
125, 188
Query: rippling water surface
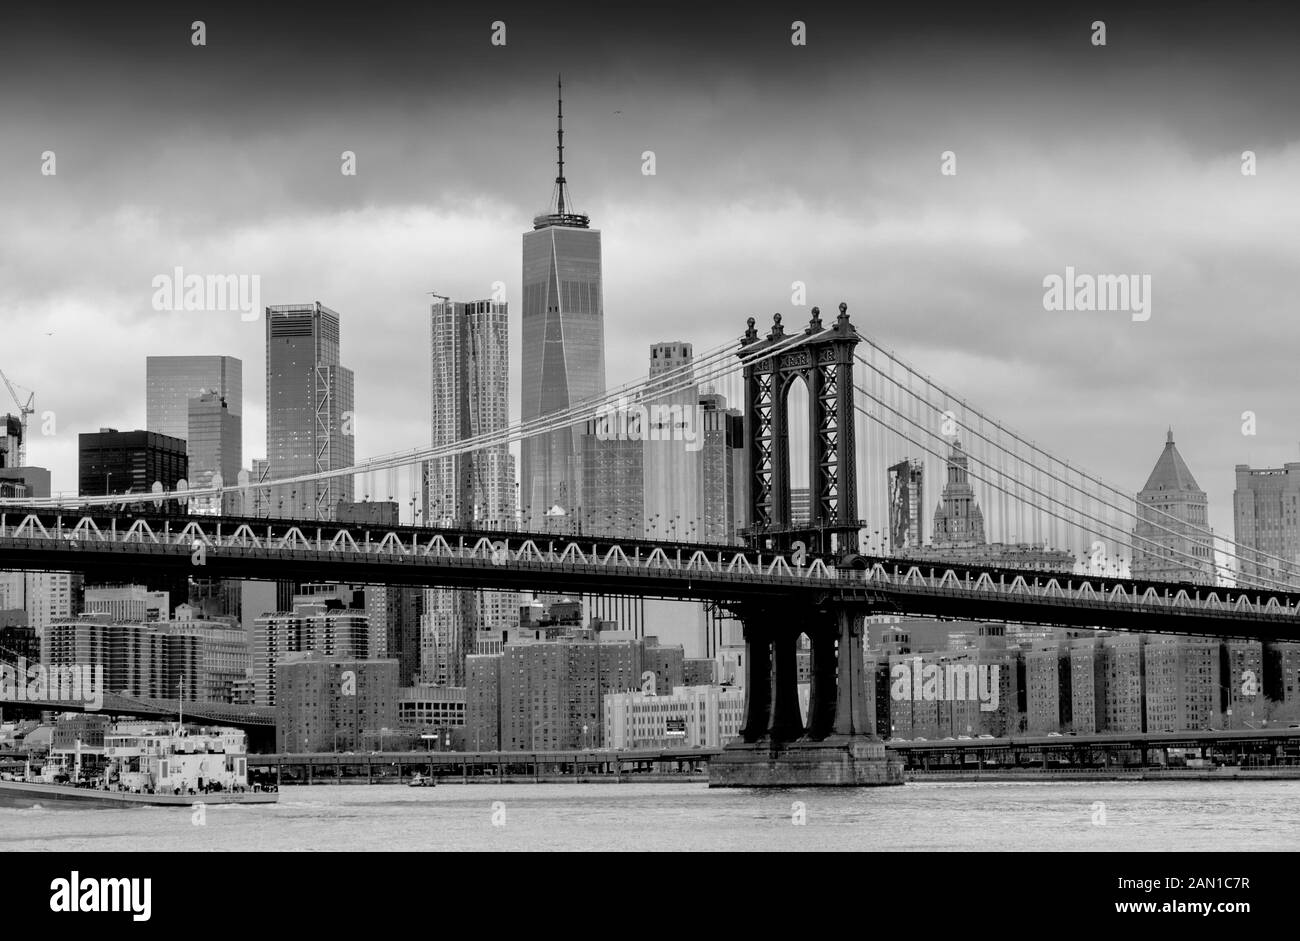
1239, 815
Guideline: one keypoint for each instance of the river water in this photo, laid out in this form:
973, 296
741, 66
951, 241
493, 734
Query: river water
1051, 815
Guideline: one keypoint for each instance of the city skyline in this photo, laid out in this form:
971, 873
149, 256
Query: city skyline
840, 428
971, 256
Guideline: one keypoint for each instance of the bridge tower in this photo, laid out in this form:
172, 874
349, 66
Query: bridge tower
824, 362
837, 745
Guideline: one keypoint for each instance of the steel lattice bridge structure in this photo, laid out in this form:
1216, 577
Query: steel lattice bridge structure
257, 721
114, 704
122, 544
809, 575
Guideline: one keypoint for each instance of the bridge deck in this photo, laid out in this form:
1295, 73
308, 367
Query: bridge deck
733, 576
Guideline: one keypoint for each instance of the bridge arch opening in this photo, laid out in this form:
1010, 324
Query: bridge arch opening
794, 403
803, 653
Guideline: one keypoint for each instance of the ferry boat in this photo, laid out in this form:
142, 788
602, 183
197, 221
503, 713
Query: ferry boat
422, 780
146, 765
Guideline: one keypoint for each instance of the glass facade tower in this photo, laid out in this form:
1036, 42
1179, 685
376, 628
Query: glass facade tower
470, 367
171, 381
308, 410
212, 447
563, 352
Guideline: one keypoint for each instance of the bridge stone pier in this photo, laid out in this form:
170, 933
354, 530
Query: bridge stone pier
837, 745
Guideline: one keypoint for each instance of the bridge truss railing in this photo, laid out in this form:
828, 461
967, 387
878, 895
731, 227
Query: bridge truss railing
717, 568
1076, 592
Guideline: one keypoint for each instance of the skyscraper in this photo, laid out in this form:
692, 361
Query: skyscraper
113, 462
17, 480
906, 504
1179, 683
563, 348
958, 520
212, 446
1266, 517
11, 440
470, 368
308, 409
614, 487
1170, 539
469, 365
672, 448
171, 381
722, 476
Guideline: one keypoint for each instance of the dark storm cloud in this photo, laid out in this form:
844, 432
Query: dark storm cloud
421, 88
774, 164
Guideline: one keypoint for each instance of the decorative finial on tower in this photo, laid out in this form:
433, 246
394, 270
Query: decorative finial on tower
843, 319
751, 334
1169, 437
815, 323
777, 329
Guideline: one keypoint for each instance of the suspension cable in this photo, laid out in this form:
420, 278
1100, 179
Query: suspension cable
966, 406
1120, 508
1122, 540
722, 361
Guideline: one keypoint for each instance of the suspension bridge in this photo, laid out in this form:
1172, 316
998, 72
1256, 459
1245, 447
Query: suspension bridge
122, 544
819, 404
1029, 495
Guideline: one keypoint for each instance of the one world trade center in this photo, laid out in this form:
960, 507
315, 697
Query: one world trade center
563, 359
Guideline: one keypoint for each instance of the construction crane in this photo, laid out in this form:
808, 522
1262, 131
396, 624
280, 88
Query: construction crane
24, 411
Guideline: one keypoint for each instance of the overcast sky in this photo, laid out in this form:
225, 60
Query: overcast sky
775, 163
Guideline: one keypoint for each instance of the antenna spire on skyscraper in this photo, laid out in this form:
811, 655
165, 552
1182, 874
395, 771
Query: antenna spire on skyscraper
559, 141
560, 211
